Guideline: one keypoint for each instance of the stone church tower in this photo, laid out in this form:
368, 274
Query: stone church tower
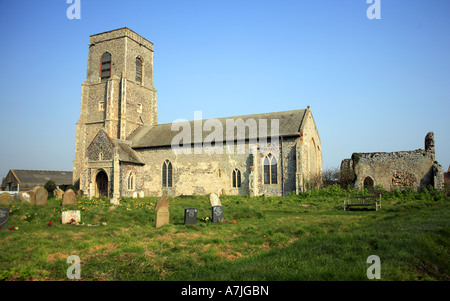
118, 95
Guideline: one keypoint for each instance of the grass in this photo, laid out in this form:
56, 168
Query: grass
297, 237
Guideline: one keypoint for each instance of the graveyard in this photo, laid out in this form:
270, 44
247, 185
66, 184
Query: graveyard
296, 237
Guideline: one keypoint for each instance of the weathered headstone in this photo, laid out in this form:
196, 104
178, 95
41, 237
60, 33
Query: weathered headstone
135, 195
214, 200
162, 217
5, 198
162, 202
190, 216
79, 194
67, 216
114, 201
69, 197
40, 195
59, 193
4, 214
141, 194
26, 197
217, 214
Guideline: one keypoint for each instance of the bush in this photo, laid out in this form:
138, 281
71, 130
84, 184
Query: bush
50, 186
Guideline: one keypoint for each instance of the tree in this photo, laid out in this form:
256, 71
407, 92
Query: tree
50, 186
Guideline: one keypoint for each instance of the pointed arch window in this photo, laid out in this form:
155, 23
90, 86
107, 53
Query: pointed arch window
167, 174
236, 178
131, 181
270, 169
139, 64
105, 69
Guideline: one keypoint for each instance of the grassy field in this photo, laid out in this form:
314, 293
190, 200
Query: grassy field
298, 237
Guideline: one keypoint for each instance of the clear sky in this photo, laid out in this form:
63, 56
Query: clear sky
373, 85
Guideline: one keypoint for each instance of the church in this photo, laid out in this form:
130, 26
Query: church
121, 150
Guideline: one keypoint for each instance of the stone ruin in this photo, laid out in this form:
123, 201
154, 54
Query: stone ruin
416, 169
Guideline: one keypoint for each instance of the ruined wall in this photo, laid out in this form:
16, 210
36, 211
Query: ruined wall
415, 169
395, 170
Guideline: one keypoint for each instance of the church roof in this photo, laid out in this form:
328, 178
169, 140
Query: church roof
161, 135
126, 153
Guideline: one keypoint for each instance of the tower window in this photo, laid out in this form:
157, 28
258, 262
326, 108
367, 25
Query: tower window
139, 70
139, 108
270, 170
167, 174
236, 178
105, 71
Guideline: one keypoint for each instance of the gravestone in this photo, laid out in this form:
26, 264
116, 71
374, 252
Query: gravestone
214, 200
217, 214
162, 202
59, 193
4, 214
79, 194
67, 216
5, 198
190, 216
162, 217
69, 197
26, 197
114, 201
135, 195
40, 195
141, 194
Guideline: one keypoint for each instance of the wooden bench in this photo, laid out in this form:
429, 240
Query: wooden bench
372, 200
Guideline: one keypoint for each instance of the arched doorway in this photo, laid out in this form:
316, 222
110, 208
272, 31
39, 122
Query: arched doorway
101, 184
368, 182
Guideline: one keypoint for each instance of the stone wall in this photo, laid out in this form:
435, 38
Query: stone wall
415, 169
120, 104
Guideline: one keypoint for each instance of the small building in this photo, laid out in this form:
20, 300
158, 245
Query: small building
24, 180
416, 169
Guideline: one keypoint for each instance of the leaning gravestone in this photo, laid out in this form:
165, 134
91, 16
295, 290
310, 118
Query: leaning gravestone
217, 214
6, 198
69, 197
40, 195
59, 193
67, 216
4, 214
162, 202
162, 217
190, 216
214, 200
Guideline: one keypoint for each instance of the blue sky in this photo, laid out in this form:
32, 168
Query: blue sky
373, 85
